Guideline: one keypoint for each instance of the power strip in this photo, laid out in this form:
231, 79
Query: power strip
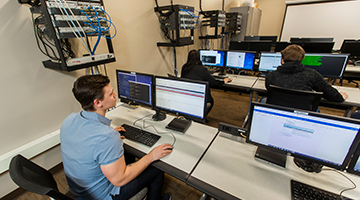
89, 59
234, 130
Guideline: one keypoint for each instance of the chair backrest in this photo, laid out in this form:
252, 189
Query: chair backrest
300, 99
34, 178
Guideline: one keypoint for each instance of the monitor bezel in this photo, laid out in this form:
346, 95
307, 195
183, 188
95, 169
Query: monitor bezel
133, 101
353, 161
343, 68
240, 51
197, 119
310, 113
351, 53
260, 60
224, 61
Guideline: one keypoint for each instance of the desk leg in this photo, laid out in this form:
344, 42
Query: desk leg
203, 196
248, 112
348, 111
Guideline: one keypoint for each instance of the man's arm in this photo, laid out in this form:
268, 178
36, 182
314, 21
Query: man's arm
119, 174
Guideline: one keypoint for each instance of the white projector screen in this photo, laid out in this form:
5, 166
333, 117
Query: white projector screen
336, 19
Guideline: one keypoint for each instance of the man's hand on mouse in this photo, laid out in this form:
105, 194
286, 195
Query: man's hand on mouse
227, 80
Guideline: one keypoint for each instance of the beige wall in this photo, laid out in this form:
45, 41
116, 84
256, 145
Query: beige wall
138, 32
272, 16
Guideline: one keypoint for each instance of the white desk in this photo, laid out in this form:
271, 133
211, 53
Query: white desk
188, 147
228, 170
352, 69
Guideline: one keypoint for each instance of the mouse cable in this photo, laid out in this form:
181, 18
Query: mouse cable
346, 189
174, 138
144, 127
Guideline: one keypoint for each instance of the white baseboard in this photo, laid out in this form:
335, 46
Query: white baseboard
30, 149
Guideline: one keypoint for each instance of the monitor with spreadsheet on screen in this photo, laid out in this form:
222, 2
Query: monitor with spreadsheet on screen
269, 61
135, 87
215, 58
240, 59
325, 139
327, 64
181, 96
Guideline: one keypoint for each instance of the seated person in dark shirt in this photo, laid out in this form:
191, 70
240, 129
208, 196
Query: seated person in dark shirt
193, 69
293, 74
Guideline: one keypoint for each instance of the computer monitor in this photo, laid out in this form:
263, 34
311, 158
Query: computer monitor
215, 58
351, 47
327, 64
182, 97
269, 61
311, 40
240, 60
251, 38
354, 166
318, 47
136, 88
324, 139
237, 45
269, 38
260, 46
281, 46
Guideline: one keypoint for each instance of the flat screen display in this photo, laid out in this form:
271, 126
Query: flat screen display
240, 60
325, 139
354, 166
181, 96
135, 87
327, 64
269, 61
214, 58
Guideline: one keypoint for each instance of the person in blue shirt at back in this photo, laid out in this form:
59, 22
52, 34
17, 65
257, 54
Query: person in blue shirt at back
93, 153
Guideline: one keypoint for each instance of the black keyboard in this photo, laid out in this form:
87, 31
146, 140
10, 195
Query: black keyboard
138, 135
302, 191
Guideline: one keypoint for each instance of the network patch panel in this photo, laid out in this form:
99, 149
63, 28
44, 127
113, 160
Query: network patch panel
176, 18
57, 21
215, 19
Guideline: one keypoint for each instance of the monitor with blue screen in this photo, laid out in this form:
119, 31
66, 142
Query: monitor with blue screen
135, 87
324, 139
240, 60
269, 61
214, 58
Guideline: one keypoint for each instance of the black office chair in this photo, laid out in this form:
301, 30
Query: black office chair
300, 99
356, 114
34, 178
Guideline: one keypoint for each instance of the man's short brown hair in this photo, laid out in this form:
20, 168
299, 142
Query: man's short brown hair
88, 88
293, 53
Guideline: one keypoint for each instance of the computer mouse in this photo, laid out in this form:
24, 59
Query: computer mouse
169, 149
229, 81
122, 132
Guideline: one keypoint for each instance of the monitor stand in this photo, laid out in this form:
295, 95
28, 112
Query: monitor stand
308, 166
159, 116
222, 73
271, 157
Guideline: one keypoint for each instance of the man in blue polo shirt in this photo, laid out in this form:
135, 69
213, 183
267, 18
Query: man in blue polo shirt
93, 154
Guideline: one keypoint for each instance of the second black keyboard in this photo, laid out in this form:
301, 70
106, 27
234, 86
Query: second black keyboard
302, 191
138, 135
